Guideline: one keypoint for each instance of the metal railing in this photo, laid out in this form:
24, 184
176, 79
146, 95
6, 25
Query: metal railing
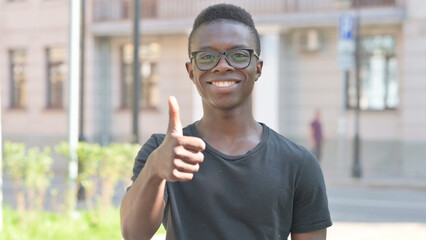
113, 10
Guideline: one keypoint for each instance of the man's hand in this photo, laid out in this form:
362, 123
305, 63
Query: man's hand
178, 157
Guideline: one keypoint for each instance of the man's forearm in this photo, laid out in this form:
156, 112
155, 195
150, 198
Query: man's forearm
315, 235
143, 206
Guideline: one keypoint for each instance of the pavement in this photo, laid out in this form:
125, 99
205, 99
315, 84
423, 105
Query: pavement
376, 231
383, 182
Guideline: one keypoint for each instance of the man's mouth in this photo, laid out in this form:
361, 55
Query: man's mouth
223, 83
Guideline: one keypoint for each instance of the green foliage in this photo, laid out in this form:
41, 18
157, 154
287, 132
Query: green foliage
38, 170
62, 149
53, 226
30, 172
110, 164
116, 163
15, 161
38, 175
117, 160
89, 156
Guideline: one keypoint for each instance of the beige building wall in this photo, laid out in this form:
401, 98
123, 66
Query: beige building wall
414, 88
33, 26
173, 80
311, 80
393, 141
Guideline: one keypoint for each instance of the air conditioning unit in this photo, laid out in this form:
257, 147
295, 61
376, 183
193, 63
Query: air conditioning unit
308, 41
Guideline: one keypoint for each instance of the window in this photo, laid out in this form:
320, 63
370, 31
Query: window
56, 75
18, 76
373, 3
378, 75
149, 55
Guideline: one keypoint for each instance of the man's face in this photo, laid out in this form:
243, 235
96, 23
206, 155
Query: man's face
224, 87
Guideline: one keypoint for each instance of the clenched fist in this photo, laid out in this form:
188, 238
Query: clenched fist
178, 157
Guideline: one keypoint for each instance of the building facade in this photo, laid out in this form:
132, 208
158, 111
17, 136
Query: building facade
301, 75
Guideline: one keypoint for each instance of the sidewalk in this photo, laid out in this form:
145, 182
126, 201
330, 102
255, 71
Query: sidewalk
376, 231
397, 182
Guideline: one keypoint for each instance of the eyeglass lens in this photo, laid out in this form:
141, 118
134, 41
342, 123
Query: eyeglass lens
237, 58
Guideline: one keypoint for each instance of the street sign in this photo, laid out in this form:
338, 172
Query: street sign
346, 46
346, 27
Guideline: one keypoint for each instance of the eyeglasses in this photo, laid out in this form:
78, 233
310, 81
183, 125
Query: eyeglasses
237, 58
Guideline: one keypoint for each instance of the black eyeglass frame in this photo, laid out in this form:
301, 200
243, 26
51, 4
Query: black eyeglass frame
250, 50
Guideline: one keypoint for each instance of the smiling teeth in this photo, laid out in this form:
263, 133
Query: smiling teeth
224, 83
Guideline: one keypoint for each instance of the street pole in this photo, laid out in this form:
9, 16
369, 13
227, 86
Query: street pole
1, 162
136, 72
342, 127
356, 168
73, 112
81, 136
346, 62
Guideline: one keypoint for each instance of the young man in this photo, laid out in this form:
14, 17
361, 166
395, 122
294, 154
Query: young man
225, 176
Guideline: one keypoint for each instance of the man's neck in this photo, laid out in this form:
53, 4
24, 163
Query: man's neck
232, 132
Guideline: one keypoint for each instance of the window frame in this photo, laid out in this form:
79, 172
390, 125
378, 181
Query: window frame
352, 75
147, 82
22, 102
49, 65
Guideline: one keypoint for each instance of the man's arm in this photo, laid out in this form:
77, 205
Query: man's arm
315, 235
176, 159
311, 215
143, 206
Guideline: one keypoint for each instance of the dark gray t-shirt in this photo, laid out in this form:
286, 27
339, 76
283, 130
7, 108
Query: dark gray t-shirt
272, 190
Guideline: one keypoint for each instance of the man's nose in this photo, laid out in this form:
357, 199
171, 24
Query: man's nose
223, 65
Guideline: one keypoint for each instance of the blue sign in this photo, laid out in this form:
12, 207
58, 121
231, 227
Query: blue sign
346, 27
346, 45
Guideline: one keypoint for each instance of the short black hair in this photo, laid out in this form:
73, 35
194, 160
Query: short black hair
225, 12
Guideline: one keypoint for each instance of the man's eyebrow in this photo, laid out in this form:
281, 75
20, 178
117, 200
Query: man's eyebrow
215, 49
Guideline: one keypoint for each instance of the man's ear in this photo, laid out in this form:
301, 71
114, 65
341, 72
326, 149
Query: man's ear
259, 67
190, 70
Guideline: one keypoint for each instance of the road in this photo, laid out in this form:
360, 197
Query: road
377, 205
371, 213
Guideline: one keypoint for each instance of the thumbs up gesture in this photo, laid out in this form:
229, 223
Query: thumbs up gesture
178, 157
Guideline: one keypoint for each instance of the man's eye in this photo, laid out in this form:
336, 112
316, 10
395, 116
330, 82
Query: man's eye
206, 57
239, 57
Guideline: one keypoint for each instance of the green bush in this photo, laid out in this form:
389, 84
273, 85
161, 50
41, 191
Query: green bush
109, 164
116, 164
15, 164
54, 226
30, 173
38, 177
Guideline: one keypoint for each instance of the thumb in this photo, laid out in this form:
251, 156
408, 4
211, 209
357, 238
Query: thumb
175, 126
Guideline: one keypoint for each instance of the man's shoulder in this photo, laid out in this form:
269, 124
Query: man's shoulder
286, 145
283, 140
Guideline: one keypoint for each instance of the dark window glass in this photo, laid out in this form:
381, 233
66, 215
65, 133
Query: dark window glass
378, 75
56, 75
18, 75
149, 55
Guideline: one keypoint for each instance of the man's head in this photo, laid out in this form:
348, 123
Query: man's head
224, 82
225, 12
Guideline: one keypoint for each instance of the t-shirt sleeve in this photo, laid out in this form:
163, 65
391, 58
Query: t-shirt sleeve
310, 206
153, 142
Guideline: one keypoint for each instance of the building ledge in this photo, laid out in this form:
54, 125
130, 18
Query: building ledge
281, 21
